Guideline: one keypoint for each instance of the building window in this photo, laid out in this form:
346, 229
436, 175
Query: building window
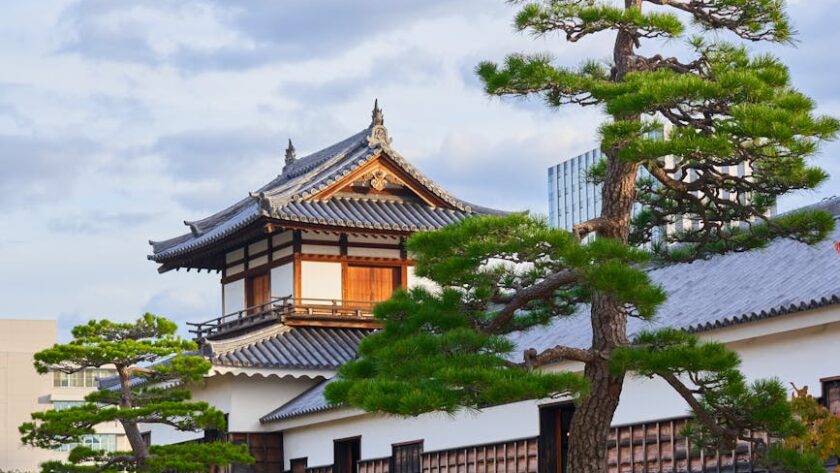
104, 442
81, 379
298, 465
555, 423
831, 395
61, 405
346, 455
405, 458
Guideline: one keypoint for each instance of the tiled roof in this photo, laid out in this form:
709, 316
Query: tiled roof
785, 277
309, 402
366, 213
290, 347
284, 198
723, 290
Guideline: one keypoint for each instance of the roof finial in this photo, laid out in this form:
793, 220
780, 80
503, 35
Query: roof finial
376, 116
290, 153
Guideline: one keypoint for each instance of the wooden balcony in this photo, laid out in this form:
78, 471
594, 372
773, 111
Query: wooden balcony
293, 312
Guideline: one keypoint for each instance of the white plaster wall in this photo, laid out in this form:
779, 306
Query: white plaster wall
417, 281
233, 296
373, 252
281, 238
309, 235
283, 280
320, 280
802, 357
215, 390
439, 431
243, 398
255, 396
309, 249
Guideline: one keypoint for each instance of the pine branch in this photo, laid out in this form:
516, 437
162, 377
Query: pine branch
758, 20
709, 421
521, 298
555, 354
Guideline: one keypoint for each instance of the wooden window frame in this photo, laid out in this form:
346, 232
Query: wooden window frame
354, 467
392, 466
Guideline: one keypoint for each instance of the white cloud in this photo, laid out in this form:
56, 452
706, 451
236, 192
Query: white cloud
118, 120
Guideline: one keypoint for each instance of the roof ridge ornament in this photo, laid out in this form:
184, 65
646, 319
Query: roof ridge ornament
291, 154
378, 133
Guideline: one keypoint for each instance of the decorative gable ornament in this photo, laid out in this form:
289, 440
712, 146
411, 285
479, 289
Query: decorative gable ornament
378, 133
291, 154
379, 179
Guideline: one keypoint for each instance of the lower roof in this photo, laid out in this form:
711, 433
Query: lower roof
282, 346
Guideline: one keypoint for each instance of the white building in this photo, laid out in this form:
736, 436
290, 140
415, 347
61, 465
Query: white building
303, 259
23, 391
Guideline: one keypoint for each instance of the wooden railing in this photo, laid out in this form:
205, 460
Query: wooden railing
291, 310
235, 321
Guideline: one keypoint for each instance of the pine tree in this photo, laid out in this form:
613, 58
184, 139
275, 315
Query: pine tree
448, 351
151, 362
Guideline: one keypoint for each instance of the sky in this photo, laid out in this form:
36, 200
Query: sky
121, 119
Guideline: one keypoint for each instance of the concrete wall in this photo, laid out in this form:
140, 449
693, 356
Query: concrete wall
22, 389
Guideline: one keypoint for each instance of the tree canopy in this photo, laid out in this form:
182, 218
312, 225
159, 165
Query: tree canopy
722, 108
154, 367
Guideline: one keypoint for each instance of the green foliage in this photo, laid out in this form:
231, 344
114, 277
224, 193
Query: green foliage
196, 456
443, 351
724, 107
489, 258
428, 358
728, 408
149, 359
818, 440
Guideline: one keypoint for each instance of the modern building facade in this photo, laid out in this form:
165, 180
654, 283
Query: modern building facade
572, 197
303, 259
23, 391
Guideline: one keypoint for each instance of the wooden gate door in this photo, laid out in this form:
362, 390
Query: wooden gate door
257, 292
370, 284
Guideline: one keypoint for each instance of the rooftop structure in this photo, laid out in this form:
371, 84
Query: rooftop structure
321, 242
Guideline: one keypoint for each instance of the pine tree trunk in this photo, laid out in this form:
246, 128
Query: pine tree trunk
591, 423
132, 430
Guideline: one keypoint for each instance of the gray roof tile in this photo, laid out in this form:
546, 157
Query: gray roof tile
291, 347
283, 198
723, 290
310, 401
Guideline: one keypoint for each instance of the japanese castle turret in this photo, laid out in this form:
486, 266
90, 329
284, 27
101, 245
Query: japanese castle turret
319, 244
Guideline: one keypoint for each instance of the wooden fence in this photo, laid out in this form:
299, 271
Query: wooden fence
652, 447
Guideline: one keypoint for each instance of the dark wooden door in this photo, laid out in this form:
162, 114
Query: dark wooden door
257, 291
346, 455
555, 423
370, 284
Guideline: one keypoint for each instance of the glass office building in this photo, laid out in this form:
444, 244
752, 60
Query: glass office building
572, 197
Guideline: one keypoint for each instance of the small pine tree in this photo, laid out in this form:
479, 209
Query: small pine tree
148, 358
725, 108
